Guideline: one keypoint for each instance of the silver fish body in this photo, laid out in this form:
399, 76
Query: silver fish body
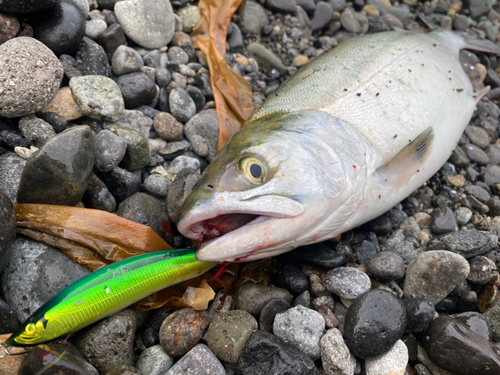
342, 141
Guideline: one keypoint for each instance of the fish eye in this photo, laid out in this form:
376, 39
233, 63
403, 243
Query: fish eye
30, 328
253, 169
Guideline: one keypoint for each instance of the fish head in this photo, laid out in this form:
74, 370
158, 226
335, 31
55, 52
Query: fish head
267, 192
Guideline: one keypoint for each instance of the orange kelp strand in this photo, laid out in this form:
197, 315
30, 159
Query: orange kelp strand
232, 93
77, 230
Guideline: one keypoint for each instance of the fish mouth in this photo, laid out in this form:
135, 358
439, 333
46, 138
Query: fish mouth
233, 234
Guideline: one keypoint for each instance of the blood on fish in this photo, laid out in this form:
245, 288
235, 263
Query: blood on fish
221, 270
167, 227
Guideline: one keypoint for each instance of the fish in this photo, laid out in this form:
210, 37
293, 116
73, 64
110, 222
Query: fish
351, 134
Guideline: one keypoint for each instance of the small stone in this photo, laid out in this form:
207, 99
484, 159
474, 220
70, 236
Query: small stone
137, 155
371, 10
320, 255
402, 245
137, 89
121, 183
190, 17
443, 220
253, 17
200, 361
7, 232
434, 274
29, 78
253, 297
386, 266
301, 327
179, 190
457, 180
154, 361
36, 130
330, 319
269, 311
349, 21
300, 60
97, 196
373, 324
419, 313
336, 356
476, 154
158, 185
303, 299
16, 6
323, 301
265, 57
322, 15
476, 322
94, 28
126, 60
167, 127
462, 215
9, 26
109, 150
465, 243
64, 105
393, 362
111, 38
347, 282
477, 8
182, 107
184, 162
206, 125
98, 97
149, 23
292, 278
11, 169
133, 119
200, 146
482, 270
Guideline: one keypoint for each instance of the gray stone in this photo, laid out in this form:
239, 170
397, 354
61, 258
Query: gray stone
133, 119
110, 343
466, 243
336, 356
206, 125
476, 154
154, 361
200, 361
157, 184
190, 17
121, 183
493, 152
94, 28
11, 169
349, 21
266, 58
36, 130
462, 215
392, 362
182, 162
322, 16
149, 23
402, 245
478, 136
200, 146
7, 229
443, 220
29, 78
182, 107
109, 150
137, 155
347, 282
97, 196
27, 275
253, 297
253, 17
126, 60
179, 190
167, 127
434, 274
59, 172
228, 334
285, 6
386, 266
178, 55
98, 97
477, 8
461, 22
302, 328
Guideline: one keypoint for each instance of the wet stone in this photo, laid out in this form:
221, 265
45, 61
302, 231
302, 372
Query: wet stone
64, 105
266, 353
197, 96
60, 171
476, 322
25, 275
393, 362
36, 130
30, 76
302, 328
481, 270
178, 55
477, 136
154, 361
466, 243
121, 183
330, 319
126, 60
134, 119
434, 274
109, 150
97, 196
386, 266
373, 324
323, 301
137, 89
320, 255
91, 59
253, 297
402, 245
462, 215
317, 287
11, 169
454, 347
292, 278
419, 313
366, 249
206, 125
16, 6
336, 356
269, 311
265, 57
109, 344
443, 220
347, 282
137, 155
478, 192
182, 330
145, 209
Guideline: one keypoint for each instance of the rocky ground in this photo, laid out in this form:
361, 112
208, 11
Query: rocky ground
112, 101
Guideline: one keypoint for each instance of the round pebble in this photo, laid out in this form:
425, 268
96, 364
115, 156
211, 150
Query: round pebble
182, 107
386, 266
126, 60
253, 297
347, 282
393, 362
336, 356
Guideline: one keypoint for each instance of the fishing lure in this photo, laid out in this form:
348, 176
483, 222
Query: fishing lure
105, 292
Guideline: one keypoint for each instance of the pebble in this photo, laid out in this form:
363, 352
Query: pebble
269, 311
91, 59
61, 29
320, 255
476, 322
322, 15
182, 330
16, 6
121, 183
292, 278
190, 17
11, 169
137, 155
386, 266
448, 270
182, 107
447, 341
393, 362
233, 327
109, 343
265, 353
98, 97
60, 171
179, 190
158, 185
266, 58
482, 270
109, 150
137, 89
149, 23
373, 323
402, 245
301, 327
25, 275
443, 220
462, 215
199, 360
111, 38
206, 125
347, 282
97, 196
154, 361
94, 28
7, 230
476, 154
64, 105
9, 27
29, 78
184, 162
465, 243
126, 60
167, 127
253, 17
419, 313
349, 21
336, 357
303, 299
36, 130
253, 297
134, 119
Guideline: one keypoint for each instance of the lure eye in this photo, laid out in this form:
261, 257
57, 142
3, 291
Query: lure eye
253, 169
30, 328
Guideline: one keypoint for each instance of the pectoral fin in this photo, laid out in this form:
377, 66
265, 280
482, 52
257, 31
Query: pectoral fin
409, 160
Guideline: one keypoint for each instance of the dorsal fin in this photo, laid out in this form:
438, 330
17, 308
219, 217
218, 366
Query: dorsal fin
409, 160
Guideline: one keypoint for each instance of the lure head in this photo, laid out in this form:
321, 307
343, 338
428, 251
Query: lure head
31, 333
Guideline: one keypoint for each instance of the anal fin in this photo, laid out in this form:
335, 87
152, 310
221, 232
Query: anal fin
409, 160
478, 95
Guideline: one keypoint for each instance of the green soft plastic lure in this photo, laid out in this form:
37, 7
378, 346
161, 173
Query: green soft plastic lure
106, 291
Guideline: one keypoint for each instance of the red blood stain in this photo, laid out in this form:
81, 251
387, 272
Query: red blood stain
221, 270
167, 227
354, 166
379, 196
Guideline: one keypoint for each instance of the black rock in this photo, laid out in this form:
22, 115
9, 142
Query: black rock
137, 89
476, 322
320, 255
292, 278
374, 322
269, 311
109, 150
412, 345
27, 6
12, 140
253, 297
452, 346
97, 196
112, 38
448, 304
147, 210
61, 29
481, 270
8, 318
419, 313
57, 121
443, 220
381, 225
366, 249
121, 183
137, 155
267, 354
60, 171
7, 229
107, 4
163, 77
197, 96
386, 266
